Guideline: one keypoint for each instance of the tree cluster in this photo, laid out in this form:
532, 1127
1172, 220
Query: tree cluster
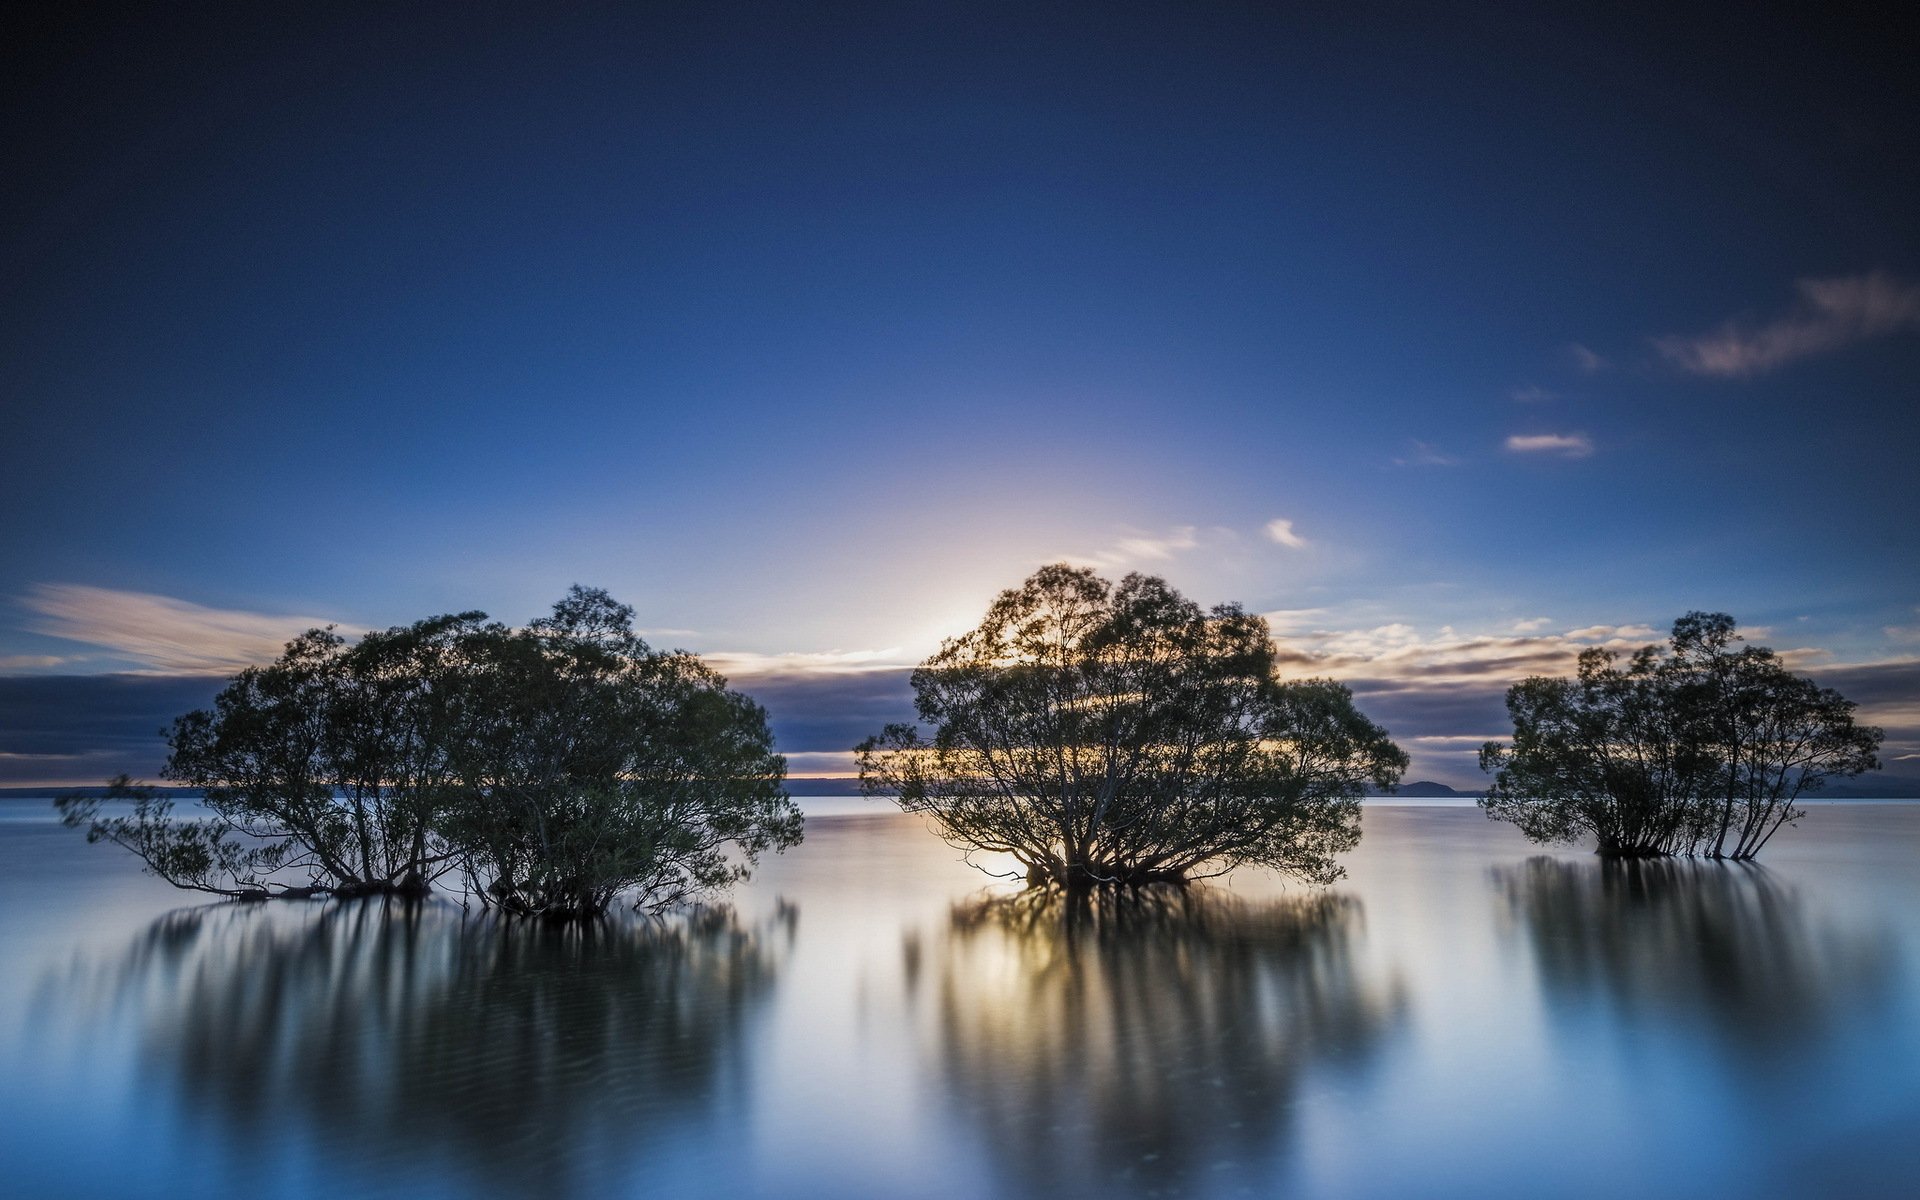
1696, 748
1104, 734
553, 767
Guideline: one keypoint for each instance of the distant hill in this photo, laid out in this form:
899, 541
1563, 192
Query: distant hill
1425, 789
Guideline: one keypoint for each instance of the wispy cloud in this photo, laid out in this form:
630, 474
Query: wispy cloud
744, 664
1904, 633
1155, 549
1426, 454
1280, 529
1533, 395
32, 662
159, 633
1532, 624
1612, 633
1831, 314
1144, 548
1562, 445
1586, 359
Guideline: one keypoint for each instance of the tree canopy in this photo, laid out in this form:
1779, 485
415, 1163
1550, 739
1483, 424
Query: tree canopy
1692, 748
554, 767
1120, 734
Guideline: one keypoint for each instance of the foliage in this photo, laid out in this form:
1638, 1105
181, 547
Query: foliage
600, 766
199, 855
1597, 755
557, 766
1697, 748
1107, 734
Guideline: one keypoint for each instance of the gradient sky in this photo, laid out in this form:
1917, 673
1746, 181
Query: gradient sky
1455, 341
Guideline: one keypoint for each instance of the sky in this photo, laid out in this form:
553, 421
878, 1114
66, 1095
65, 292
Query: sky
1453, 341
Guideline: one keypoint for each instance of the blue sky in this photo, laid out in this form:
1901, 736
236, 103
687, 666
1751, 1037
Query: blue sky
806, 328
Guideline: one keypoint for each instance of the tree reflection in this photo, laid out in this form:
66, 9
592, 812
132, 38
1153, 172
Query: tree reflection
1725, 946
535, 1058
1145, 1038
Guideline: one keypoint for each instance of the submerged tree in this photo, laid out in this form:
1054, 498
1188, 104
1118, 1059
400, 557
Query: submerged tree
324, 771
1597, 755
1768, 735
598, 766
557, 766
1696, 748
1106, 734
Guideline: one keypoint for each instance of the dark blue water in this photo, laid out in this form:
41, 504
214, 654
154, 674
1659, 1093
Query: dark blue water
1464, 1016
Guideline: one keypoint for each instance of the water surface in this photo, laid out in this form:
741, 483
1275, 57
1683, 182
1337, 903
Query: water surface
1465, 1015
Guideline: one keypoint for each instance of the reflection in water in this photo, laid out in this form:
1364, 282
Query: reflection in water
533, 1058
1720, 945
1149, 1041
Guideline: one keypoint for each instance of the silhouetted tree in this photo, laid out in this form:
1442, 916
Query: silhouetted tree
328, 765
1694, 748
1770, 735
596, 766
558, 766
1598, 755
1104, 734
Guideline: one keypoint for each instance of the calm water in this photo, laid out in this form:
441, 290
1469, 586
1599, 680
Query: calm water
1464, 1016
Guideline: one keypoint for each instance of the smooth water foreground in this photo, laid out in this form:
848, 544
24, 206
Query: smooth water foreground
1464, 1016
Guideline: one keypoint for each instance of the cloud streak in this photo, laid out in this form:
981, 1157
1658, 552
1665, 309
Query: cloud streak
159, 633
1831, 314
1426, 454
1560, 445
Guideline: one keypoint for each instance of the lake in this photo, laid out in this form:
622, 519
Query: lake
1465, 1015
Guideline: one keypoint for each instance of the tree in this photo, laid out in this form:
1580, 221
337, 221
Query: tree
1770, 736
324, 771
1107, 734
1598, 755
556, 766
1696, 748
598, 766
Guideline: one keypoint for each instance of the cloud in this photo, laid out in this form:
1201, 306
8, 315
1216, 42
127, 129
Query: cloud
1280, 529
745, 664
1612, 633
1156, 549
1564, 445
1284, 621
1441, 693
1532, 624
1533, 395
31, 662
1831, 314
1426, 454
1586, 359
818, 713
160, 633
1144, 548
69, 729
1903, 633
